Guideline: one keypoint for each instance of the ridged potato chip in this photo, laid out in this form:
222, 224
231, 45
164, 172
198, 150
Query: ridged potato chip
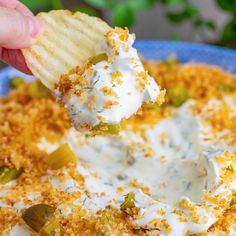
67, 41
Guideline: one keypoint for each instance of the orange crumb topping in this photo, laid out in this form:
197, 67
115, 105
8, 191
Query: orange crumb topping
109, 91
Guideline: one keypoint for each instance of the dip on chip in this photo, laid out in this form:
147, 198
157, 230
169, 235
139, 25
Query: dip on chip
93, 70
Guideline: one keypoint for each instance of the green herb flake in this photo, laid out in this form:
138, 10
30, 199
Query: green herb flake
230, 167
37, 216
113, 128
108, 218
178, 94
8, 174
16, 82
92, 85
172, 61
153, 106
98, 58
225, 87
38, 90
128, 202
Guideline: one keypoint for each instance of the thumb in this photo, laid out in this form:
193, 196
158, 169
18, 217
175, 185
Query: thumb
17, 30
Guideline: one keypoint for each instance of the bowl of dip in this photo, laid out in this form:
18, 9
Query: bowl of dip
171, 171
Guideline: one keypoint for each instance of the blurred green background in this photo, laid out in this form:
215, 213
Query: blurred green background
209, 21
175, 13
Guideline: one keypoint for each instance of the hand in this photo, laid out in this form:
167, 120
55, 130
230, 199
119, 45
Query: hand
18, 29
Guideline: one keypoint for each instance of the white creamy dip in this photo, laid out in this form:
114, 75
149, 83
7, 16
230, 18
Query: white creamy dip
182, 169
111, 89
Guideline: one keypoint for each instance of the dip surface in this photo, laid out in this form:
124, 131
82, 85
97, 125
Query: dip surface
175, 162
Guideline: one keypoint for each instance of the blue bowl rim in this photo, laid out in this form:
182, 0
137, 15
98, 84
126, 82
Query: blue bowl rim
194, 45
187, 52
197, 45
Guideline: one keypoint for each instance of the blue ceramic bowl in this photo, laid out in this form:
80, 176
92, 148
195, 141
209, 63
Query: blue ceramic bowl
160, 50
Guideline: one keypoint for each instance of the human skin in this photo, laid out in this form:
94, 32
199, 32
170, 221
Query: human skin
18, 29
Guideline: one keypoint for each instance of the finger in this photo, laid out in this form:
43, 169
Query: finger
14, 58
23, 9
17, 30
15, 4
8, 3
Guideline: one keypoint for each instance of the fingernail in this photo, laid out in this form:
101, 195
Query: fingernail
34, 26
